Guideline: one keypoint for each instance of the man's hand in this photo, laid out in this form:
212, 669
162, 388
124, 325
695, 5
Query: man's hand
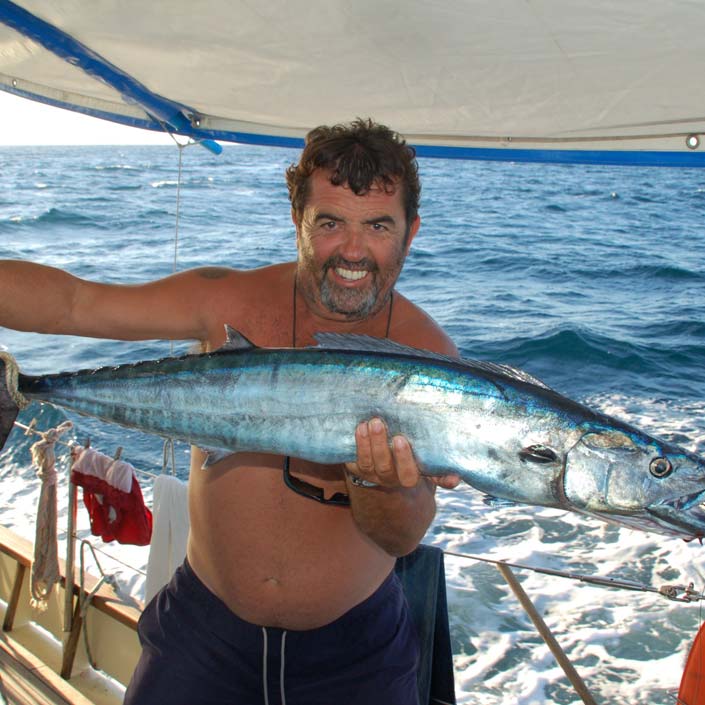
385, 465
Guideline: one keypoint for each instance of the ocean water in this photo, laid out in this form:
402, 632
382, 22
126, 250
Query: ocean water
590, 278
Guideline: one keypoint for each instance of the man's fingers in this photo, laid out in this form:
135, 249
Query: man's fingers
375, 461
447, 482
378, 461
382, 459
364, 463
406, 468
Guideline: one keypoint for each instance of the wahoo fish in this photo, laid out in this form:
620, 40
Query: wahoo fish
505, 433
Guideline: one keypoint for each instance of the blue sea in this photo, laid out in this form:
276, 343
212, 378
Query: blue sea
590, 278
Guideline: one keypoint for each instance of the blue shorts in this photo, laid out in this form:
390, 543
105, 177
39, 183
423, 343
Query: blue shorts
195, 651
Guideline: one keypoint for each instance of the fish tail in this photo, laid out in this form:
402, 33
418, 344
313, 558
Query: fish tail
11, 400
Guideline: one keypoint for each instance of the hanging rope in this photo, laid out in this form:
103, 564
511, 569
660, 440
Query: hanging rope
177, 219
169, 456
181, 148
178, 205
86, 597
45, 566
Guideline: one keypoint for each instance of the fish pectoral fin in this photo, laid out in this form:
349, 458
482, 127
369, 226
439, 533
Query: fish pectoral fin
492, 501
213, 456
538, 453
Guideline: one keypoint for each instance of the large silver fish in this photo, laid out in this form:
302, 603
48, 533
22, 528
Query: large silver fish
505, 433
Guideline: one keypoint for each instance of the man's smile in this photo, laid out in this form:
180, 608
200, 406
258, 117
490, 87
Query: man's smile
351, 274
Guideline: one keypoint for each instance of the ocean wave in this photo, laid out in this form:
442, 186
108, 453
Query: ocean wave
676, 420
580, 361
55, 217
629, 272
116, 167
574, 345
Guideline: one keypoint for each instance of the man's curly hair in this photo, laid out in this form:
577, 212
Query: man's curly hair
361, 155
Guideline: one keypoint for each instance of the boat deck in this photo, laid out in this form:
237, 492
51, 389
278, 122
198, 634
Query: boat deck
35, 651
25, 680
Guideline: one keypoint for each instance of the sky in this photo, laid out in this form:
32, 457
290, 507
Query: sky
24, 122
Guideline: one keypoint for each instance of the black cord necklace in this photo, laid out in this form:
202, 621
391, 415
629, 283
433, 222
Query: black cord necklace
306, 489
293, 313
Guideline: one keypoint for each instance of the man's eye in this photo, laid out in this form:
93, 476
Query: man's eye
379, 227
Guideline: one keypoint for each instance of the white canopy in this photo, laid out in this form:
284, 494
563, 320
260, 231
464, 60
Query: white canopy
559, 80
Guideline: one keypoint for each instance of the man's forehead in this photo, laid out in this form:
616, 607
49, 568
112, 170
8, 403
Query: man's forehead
323, 180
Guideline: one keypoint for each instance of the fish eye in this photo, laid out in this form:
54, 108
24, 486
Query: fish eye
660, 467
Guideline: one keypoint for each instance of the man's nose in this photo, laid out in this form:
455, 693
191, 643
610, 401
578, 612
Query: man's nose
353, 246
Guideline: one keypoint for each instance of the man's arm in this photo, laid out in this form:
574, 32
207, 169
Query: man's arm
43, 299
395, 513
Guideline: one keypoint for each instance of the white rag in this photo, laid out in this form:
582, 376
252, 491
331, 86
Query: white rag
116, 473
169, 533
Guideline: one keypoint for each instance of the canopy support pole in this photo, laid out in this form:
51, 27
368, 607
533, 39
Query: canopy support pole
546, 634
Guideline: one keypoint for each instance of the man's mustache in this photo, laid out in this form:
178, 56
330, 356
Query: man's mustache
338, 261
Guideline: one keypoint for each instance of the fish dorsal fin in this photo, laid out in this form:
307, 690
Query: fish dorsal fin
236, 340
366, 343
508, 371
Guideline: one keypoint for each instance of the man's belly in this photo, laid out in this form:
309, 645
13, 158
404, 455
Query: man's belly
274, 557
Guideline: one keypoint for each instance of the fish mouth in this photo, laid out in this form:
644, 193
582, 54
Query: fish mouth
683, 515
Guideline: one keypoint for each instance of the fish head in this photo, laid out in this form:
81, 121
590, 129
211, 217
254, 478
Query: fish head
627, 477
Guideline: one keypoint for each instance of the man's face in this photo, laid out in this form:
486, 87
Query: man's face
351, 248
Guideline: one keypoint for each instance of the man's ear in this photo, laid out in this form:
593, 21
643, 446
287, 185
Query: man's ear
415, 225
295, 221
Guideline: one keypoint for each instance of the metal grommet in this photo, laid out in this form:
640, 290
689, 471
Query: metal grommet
692, 141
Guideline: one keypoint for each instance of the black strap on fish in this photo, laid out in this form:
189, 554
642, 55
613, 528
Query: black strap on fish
306, 489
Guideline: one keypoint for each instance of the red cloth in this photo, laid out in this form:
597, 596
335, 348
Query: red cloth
115, 515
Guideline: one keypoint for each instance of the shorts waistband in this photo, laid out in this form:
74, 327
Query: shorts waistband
221, 617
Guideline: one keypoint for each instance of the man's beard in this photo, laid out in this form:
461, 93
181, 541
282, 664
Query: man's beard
352, 303
357, 303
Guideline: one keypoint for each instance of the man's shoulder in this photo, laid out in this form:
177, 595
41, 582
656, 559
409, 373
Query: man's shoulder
235, 276
418, 329
253, 301
241, 284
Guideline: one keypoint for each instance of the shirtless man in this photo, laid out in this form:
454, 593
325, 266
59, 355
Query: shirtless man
282, 599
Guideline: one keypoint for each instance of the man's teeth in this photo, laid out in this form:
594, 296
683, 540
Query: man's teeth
350, 274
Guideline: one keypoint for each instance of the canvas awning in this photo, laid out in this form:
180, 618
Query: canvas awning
551, 80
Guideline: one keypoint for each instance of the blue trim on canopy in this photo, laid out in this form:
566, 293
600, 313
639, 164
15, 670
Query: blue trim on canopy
165, 114
145, 123
568, 156
541, 156
172, 114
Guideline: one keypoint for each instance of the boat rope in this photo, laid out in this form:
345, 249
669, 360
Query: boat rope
676, 593
12, 373
85, 597
181, 146
31, 429
96, 549
169, 457
45, 565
